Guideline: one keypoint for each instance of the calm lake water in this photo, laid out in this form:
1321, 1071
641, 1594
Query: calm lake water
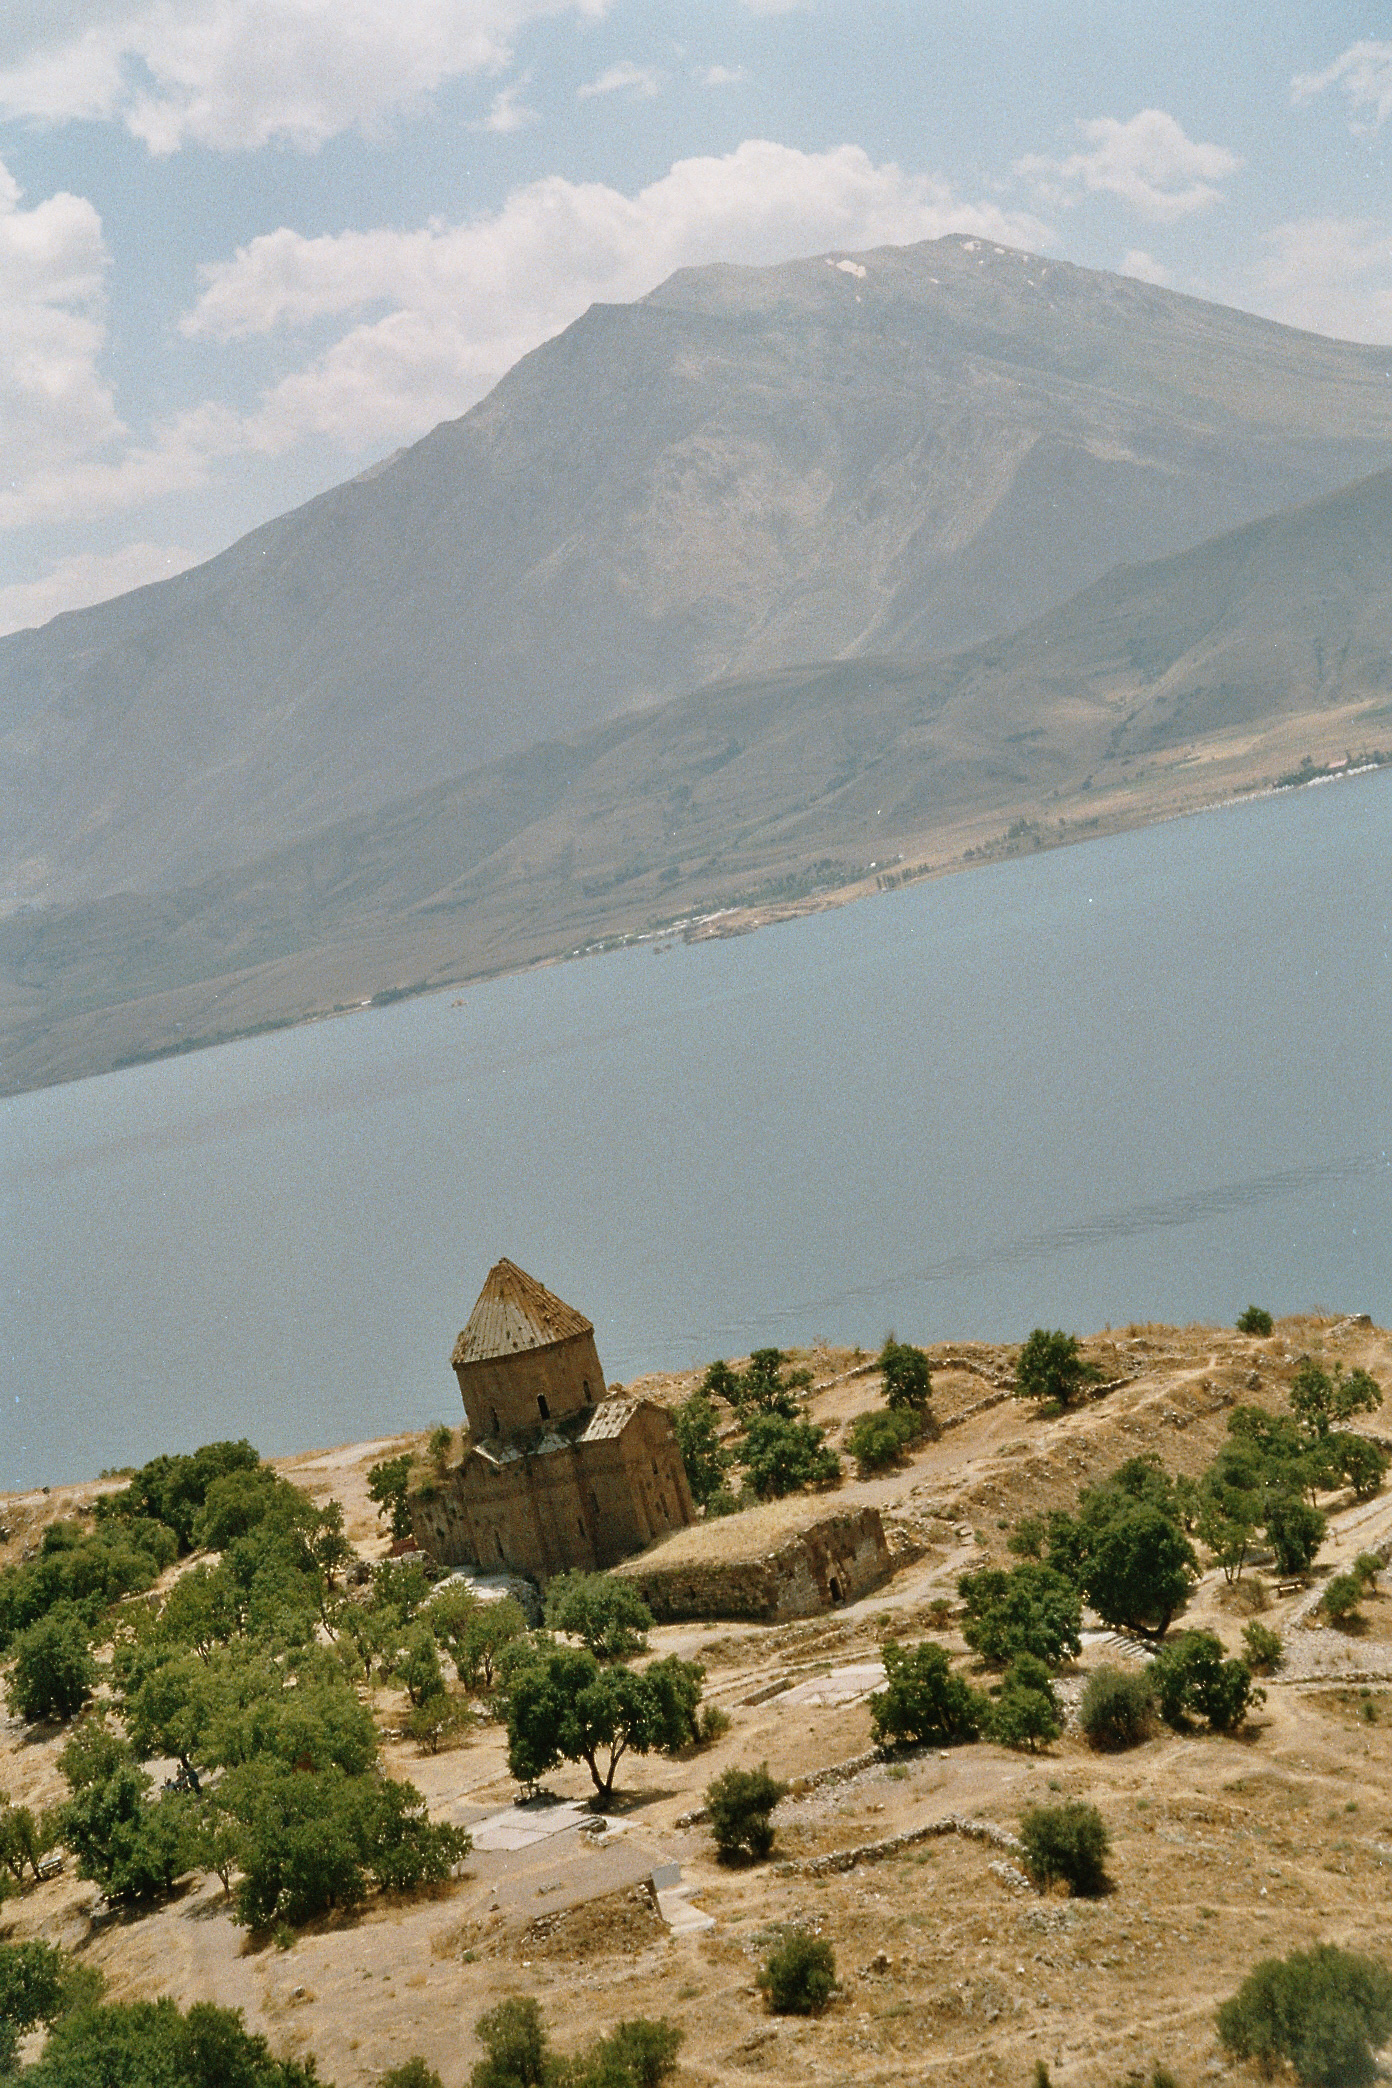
1142, 1078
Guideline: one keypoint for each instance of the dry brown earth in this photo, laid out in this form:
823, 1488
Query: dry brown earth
1224, 1850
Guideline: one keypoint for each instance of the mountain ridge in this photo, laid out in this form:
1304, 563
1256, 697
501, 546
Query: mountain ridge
1158, 688
746, 469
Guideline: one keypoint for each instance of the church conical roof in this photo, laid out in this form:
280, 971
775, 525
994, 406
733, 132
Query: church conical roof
515, 1312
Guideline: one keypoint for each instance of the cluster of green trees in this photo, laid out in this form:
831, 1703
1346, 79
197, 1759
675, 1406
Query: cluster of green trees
1266, 1477
230, 1673
780, 1450
926, 1703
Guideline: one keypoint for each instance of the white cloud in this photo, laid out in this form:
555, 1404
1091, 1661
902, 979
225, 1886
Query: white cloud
721, 76
507, 113
235, 75
639, 81
55, 408
1363, 73
1330, 275
87, 577
466, 301
1145, 268
1148, 162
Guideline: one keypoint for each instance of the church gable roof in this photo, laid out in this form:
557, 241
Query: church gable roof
515, 1312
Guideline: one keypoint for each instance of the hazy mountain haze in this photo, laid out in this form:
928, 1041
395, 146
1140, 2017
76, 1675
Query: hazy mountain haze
747, 469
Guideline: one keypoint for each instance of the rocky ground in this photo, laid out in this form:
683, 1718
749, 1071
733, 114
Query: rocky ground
952, 1969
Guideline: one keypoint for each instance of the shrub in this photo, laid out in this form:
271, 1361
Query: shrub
1193, 1678
906, 1380
388, 1484
439, 1445
636, 2054
923, 1701
53, 1670
1365, 1569
799, 1974
1324, 2011
1341, 1598
1254, 1319
1051, 1367
712, 1725
1068, 1841
1265, 1652
740, 1802
1027, 1710
413, 2073
1029, 1609
878, 1440
1117, 1709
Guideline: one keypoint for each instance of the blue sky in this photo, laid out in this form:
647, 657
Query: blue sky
249, 246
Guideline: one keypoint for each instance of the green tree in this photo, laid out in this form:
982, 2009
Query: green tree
764, 1390
54, 1673
605, 1612
741, 1803
799, 1974
923, 1702
1295, 1532
438, 1447
494, 1627
1360, 1461
1026, 1710
35, 1987
388, 1484
636, 2054
781, 1456
1117, 1708
1051, 1367
1068, 1841
907, 1383
565, 1706
1324, 2011
418, 1669
720, 1382
1192, 1679
1319, 1399
516, 2047
1254, 1319
1138, 1570
698, 1438
1025, 1609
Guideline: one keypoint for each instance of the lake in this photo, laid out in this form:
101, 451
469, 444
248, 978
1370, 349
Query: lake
1147, 1077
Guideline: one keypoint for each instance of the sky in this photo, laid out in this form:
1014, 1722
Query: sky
249, 247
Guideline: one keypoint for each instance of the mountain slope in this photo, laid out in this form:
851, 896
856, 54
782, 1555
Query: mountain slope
1159, 687
747, 469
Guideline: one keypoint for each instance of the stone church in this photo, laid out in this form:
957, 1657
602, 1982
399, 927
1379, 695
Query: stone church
557, 1472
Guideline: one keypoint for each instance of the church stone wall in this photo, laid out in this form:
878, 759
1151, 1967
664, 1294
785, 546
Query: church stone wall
527, 1387
569, 1505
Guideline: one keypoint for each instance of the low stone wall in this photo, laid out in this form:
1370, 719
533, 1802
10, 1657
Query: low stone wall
836, 1558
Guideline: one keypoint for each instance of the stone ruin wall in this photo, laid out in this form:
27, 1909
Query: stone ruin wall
793, 1580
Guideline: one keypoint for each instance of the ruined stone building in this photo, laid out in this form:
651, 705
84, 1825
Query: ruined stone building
557, 1472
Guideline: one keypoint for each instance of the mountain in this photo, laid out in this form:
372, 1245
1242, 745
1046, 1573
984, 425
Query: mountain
1158, 687
896, 455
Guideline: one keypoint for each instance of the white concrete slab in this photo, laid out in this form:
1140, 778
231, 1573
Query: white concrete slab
842, 1686
522, 1826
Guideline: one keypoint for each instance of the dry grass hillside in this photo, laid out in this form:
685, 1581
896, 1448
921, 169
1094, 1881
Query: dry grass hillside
952, 1968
